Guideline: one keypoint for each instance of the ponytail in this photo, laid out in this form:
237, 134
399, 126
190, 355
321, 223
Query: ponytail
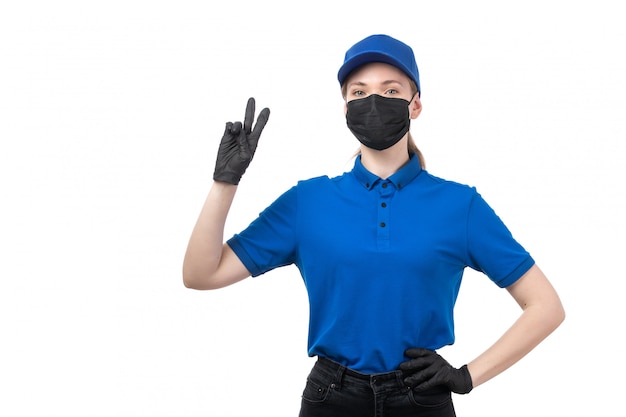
414, 149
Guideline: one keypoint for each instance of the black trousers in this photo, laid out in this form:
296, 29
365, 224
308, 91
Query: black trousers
332, 390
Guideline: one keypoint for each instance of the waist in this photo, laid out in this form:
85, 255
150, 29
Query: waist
388, 380
334, 367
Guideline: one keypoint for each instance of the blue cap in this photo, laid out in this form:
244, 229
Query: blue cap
380, 48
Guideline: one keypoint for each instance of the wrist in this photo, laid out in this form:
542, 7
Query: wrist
467, 383
228, 178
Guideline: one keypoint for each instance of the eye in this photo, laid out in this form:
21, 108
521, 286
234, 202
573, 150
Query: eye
391, 91
358, 93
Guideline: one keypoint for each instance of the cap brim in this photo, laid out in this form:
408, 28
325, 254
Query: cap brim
368, 57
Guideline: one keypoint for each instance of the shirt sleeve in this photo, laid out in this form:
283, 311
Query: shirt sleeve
270, 240
491, 246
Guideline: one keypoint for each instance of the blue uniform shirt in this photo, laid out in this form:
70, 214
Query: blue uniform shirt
382, 259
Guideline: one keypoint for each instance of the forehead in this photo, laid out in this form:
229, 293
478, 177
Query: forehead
377, 72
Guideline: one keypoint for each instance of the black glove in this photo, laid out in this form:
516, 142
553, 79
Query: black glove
238, 145
427, 369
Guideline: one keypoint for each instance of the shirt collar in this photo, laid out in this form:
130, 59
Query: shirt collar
400, 178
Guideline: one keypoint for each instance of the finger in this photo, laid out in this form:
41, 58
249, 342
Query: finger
411, 381
235, 128
428, 378
420, 376
418, 352
261, 121
245, 152
229, 125
247, 121
424, 385
416, 379
415, 364
253, 139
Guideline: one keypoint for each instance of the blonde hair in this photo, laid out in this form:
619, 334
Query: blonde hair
411, 145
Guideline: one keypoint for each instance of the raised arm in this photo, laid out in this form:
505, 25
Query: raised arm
209, 263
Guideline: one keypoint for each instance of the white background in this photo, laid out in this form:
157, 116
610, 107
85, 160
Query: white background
110, 117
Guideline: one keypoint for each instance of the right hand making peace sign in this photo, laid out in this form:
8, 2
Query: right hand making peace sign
238, 145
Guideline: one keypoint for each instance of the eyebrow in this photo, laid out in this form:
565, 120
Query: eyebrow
387, 82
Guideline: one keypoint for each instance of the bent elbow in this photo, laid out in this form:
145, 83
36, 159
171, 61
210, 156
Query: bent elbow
561, 315
195, 281
188, 283
556, 315
196, 285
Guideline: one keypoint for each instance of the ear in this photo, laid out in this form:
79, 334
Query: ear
415, 107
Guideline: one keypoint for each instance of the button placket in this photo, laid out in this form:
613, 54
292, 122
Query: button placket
385, 191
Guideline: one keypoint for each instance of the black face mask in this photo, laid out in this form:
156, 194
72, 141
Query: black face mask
378, 122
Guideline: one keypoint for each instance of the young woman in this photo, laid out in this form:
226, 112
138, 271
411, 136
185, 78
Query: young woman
381, 249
